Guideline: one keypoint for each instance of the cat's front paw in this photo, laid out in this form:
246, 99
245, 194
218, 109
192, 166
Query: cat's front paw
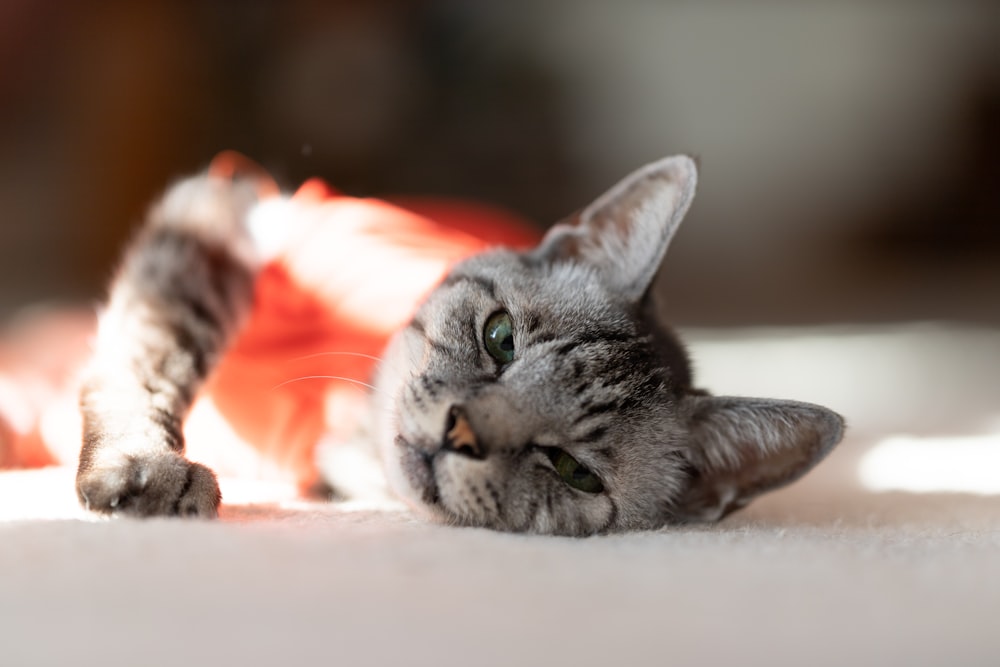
163, 484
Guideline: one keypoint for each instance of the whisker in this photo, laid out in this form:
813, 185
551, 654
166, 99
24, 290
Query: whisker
325, 377
332, 354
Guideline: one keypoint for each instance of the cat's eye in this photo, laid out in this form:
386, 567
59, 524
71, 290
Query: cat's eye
573, 472
498, 337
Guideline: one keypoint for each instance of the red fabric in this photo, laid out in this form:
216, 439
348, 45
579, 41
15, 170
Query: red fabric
351, 274
324, 307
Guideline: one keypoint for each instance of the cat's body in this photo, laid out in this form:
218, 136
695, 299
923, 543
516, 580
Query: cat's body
538, 391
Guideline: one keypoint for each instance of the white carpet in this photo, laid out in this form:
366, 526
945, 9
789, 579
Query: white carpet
822, 573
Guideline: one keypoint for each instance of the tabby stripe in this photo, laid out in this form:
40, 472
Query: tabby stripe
593, 434
171, 427
442, 348
530, 322
156, 267
620, 377
199, 311
414, 396
188, 344
494, 494
566, 348
472, 331
531, 514
606, 337
597, 409
606, 453
542, 338
430, 386
231, 280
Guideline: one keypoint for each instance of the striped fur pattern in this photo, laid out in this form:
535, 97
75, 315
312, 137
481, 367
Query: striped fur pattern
587, 379
596, 375
538, 392
183, 290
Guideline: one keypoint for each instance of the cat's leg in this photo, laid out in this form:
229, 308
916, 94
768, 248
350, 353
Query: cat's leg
182, 292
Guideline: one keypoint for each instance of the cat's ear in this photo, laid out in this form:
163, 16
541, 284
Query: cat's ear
741, 447
625, 232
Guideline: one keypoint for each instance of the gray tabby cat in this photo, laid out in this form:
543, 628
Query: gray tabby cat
536, 391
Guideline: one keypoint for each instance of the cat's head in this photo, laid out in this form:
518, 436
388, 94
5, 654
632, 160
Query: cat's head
538, 392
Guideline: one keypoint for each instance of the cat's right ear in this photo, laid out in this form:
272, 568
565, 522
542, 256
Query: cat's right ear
626, 231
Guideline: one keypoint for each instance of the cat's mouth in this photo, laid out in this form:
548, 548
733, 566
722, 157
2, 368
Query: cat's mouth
418, 468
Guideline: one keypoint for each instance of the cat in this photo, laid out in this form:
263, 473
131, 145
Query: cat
534, 391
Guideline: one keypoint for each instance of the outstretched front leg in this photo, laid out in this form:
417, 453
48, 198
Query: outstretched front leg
182, 292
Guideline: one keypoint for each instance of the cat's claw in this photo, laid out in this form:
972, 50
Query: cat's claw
163, 484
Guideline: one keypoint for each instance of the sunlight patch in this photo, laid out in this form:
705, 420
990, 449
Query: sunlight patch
968, 464
41, 494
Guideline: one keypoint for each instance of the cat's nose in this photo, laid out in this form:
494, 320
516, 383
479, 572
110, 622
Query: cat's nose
459, 436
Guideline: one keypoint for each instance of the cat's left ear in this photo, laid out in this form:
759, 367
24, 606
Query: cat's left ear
625, 232
739, 448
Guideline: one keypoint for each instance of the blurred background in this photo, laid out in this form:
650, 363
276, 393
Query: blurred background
850, 151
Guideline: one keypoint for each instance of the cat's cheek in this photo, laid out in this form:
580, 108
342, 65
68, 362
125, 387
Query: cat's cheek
572, 513
468, 490
412, 480
603, 515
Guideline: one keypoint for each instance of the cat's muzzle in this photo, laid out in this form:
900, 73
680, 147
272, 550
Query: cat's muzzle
459, 436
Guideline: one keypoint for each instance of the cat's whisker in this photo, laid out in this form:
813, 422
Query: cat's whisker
316, 355
325, 377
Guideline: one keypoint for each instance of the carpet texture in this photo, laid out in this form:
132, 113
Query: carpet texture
825, 572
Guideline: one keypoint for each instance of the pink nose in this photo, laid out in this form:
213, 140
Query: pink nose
459, 436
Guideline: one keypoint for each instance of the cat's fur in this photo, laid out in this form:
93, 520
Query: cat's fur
590, 423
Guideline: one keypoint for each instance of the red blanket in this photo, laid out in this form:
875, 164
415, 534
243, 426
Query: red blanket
351, 272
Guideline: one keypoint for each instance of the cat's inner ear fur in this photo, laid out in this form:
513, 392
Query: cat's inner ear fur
741, 447
625, 232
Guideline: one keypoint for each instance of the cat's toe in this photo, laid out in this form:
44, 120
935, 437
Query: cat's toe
201, 498
163, 484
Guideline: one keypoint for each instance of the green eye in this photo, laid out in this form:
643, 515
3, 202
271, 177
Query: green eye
573, 472
498, 337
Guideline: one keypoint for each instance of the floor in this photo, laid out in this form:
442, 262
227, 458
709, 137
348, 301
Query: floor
839, 569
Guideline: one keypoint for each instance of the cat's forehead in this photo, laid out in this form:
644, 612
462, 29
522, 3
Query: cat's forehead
564, 290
